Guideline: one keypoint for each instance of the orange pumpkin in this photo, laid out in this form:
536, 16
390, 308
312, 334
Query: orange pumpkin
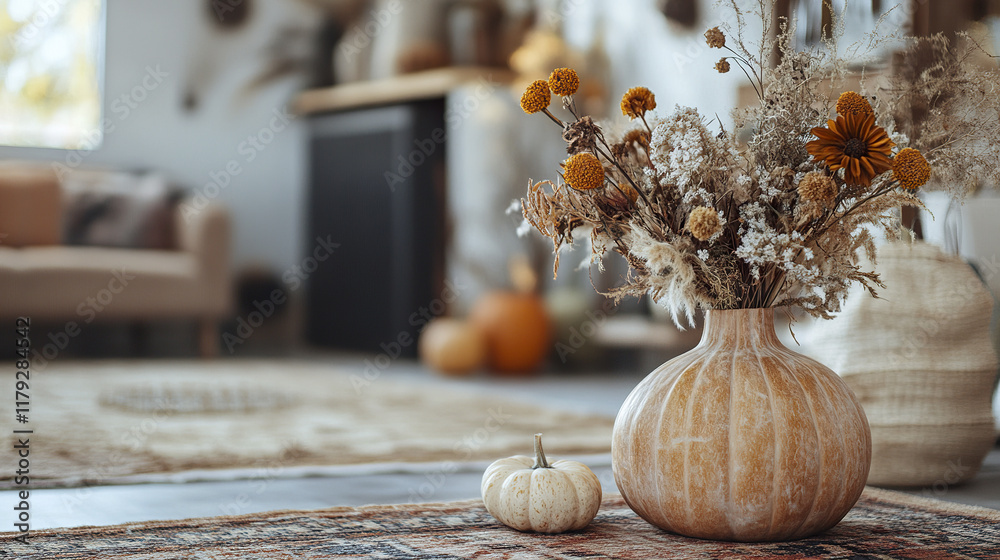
452, 346
741, 439
517, 329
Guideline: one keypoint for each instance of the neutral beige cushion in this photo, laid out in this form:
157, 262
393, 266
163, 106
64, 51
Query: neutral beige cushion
87, 284
30, 205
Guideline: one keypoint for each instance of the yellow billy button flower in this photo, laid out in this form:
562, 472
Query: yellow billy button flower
911, 169
637, 101
851, 103
564, 81
584, 172
817, 187
703, 223
537, 97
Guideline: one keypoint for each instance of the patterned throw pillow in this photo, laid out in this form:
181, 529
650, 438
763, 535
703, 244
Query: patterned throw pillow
119, 210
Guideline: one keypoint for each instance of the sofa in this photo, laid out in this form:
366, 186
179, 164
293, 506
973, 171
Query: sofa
50, 281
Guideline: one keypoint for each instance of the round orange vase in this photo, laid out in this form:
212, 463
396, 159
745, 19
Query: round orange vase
741, 439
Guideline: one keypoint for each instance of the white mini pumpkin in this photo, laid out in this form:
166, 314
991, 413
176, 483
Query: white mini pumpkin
533, 495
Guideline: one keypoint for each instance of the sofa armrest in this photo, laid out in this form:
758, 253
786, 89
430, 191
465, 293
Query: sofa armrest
206, 233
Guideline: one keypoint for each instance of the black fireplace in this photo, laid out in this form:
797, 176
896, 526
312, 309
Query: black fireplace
377, 188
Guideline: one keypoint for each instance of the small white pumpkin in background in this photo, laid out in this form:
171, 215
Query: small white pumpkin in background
533, 495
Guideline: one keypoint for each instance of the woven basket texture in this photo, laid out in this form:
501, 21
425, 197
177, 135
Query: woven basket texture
922, 364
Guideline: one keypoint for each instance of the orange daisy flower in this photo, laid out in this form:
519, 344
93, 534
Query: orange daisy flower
855, 144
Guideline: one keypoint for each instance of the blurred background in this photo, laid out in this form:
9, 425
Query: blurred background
267, 177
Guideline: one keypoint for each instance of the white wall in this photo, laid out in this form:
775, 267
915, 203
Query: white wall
647, 50
674, 61
177, 38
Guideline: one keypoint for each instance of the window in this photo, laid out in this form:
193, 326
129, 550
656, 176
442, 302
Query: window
50, 73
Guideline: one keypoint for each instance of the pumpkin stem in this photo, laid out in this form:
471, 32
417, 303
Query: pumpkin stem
540, 461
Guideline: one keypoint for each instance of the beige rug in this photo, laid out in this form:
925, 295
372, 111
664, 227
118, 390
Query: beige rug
104, 423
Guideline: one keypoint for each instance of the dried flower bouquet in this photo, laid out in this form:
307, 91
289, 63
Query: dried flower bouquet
778, 219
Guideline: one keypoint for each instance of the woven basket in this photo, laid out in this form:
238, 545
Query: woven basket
922, 364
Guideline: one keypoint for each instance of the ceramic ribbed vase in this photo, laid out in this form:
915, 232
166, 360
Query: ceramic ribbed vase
741, 439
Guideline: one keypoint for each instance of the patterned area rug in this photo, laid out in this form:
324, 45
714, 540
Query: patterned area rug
106, 423
884, 524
